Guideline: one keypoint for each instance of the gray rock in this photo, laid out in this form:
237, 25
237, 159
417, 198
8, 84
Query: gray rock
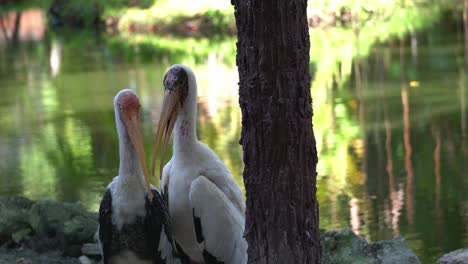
62, 226
344, 246
91, 249
393, 251
80, 229
459, 256
31, 257
20, 235
14, 214
85, 260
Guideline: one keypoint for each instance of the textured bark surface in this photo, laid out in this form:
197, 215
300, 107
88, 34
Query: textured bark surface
277, 137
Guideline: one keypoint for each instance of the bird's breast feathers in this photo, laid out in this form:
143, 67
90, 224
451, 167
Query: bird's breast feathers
127, 203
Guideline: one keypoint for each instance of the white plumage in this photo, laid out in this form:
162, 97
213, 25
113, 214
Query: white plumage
206, 206
221, 217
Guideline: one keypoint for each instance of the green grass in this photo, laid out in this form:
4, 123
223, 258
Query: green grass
178, 17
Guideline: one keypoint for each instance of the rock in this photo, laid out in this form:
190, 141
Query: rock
344, 246
62, 226
393, 251
72, 250
96, 235
14, 214
459, 256
80, 229
28, 256
85, 260
90, 249
19, 235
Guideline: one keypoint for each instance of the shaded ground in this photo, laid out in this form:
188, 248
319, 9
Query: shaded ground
52, 232
29, 256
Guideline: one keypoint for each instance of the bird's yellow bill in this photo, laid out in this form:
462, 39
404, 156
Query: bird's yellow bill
166, 123
133, 128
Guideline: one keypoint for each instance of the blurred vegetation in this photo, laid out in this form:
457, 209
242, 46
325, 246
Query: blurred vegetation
359, 13
333, 49
76, 13
205, 18
176, 17
19, 5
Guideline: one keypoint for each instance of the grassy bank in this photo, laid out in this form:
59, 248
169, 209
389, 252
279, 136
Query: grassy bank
189, 18
177, 18
205, 18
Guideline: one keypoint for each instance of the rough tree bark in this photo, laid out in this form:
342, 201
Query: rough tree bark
277, 138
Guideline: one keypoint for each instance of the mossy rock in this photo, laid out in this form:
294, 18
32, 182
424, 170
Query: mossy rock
61, 226
14, 215
344, 246
459, 256
28, 256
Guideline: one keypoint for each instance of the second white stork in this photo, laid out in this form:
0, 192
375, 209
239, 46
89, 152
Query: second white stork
206, 205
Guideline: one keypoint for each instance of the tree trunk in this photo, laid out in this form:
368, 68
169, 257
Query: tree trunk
465, 27
277, 138
15, 34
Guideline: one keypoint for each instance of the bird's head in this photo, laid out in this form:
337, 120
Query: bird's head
127, 105
176, 85
176, 91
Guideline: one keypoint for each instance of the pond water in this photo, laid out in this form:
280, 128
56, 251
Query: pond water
390, 124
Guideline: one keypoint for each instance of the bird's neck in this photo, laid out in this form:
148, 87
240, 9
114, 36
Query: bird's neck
129, 168
185, 129
128, 189
185, 133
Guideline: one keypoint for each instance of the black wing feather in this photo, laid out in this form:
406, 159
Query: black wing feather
184, 258
105, 225
198, 227
207, 256
156, 218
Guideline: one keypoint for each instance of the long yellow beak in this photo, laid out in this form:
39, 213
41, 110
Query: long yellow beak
166, 123
132, 123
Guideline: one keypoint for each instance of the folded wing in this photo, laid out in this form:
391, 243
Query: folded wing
219, 223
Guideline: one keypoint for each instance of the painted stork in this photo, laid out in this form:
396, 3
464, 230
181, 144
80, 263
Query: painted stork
206, 206
134, 225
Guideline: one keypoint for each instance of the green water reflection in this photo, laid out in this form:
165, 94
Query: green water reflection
58, 132
392, 144
389, 119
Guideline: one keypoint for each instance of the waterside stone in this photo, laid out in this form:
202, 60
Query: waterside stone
14, 214
62, 226
29, 256
344, 246
459, 256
